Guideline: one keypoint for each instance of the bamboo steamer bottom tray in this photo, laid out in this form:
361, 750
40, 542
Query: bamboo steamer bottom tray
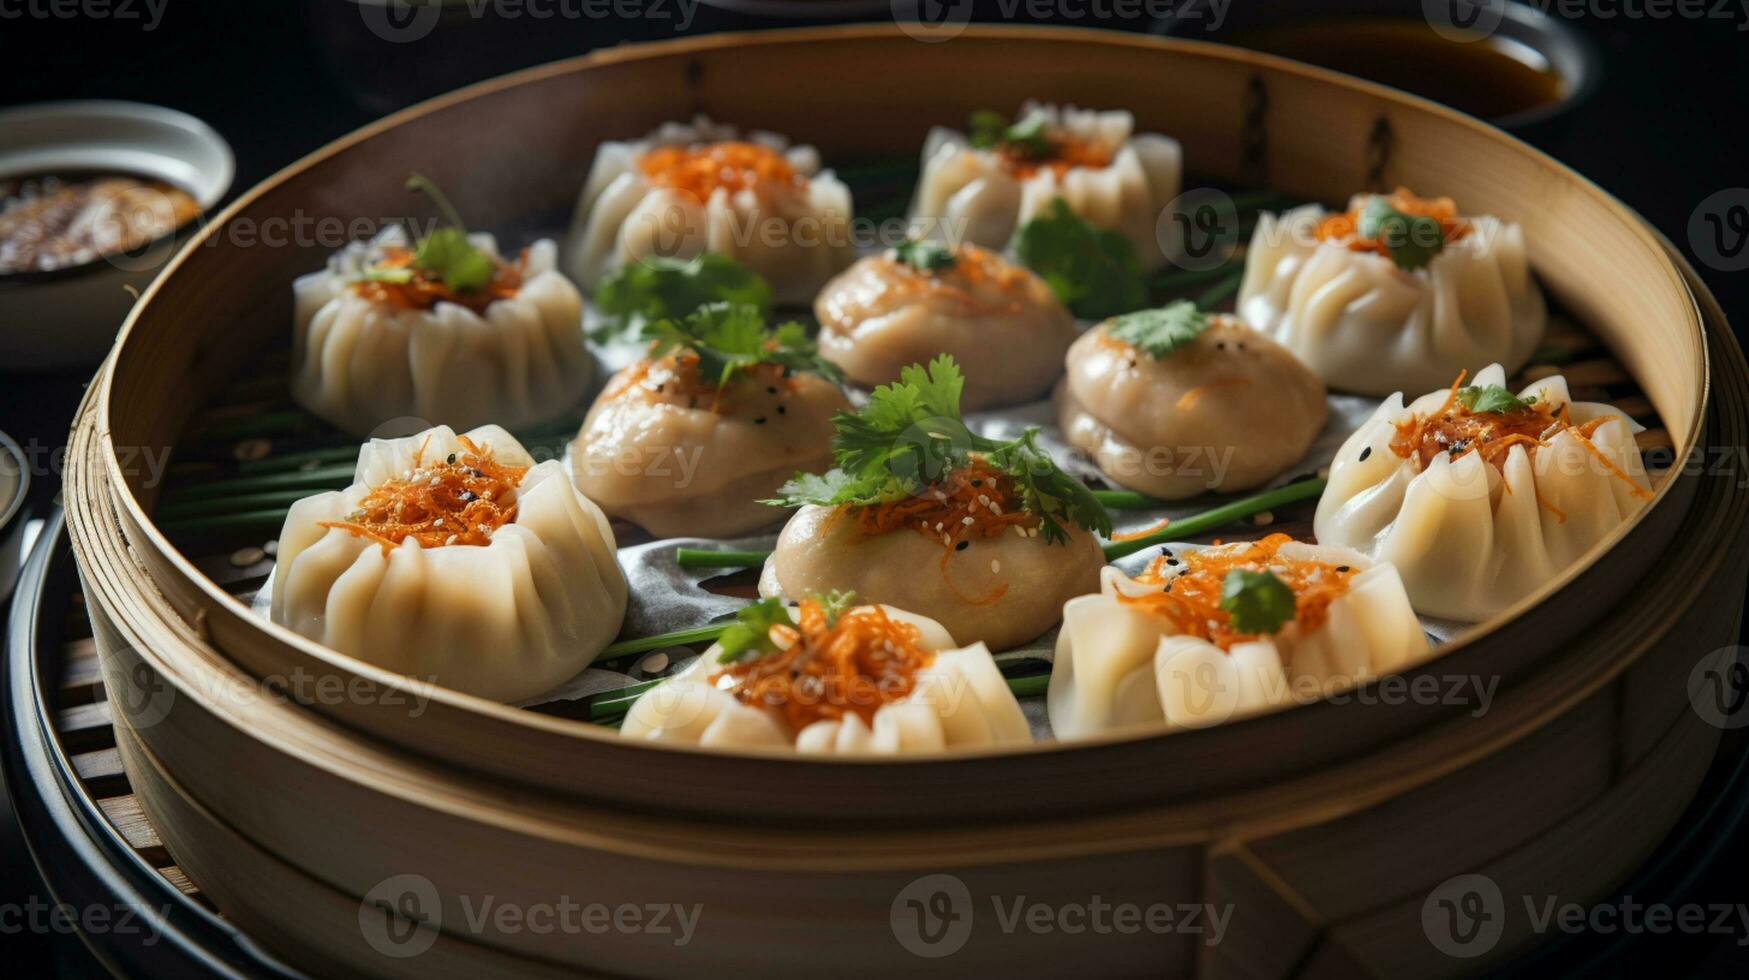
346, 855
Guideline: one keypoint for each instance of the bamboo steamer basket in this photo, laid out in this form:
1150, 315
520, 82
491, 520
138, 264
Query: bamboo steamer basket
1312, 824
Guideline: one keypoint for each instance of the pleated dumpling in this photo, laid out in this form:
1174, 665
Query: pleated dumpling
982, 186
830, 679
1480, 496
450, 334
1210, 634
1397, 293
689, 440
455, 559
688, 189
919, 300
1173, 402
986, 537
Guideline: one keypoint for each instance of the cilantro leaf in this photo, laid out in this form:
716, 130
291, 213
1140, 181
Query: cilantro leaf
1046, 492
910, 435
1256, 602
448, 255
1158, 332
728, 338
1026, 138
445, 254
750, 633
1492, 398
658, 288
1412, 239
1093, 271
924, 256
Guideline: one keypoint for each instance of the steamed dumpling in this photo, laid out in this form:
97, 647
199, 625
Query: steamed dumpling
999, 320
871, 680
1480, 497
1000, 587
455, 559
366, 351
689, 189
1226, 409
1109, 175
676, 455
1162, 648
1374, 315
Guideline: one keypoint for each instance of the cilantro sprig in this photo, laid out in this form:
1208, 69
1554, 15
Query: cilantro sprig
1093, 271
1027, 138
1412, 239
658, 288
1256, 602
728, 337
924, 256
445, 254
1160, 331
750, 634
910, 436
1492, 398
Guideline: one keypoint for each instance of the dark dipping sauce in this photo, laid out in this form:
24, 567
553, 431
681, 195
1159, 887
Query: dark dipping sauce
1488, 77
59, 221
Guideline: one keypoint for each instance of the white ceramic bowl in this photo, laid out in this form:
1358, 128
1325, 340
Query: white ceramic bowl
69, 317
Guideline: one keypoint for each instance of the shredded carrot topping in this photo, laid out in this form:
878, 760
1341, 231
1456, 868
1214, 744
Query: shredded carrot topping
1189, 598
1453, 430
732, 164
463, 500
977, 501
423, 292
1067, 153
1342, 227
824, 671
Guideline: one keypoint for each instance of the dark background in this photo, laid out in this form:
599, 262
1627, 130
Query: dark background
279, 78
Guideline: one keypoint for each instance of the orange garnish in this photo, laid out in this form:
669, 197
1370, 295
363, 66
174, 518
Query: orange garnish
1456, 431
824, 671
1189, 398
462, 500
1341, 227
674, 379
977, 500
422, 292
973, 266
1190, 600
1067, 152
733, 165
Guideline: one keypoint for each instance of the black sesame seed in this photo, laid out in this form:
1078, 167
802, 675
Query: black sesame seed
961, 546
771, 389
451, 459
1171, 561
759, 421
1342, 568
781, 410
1364, 453
977, 483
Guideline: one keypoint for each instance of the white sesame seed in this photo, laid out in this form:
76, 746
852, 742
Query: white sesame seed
966, 521
995, 566
1264, 518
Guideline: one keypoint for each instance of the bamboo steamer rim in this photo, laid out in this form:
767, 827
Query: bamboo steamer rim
134, 514
1223, 823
